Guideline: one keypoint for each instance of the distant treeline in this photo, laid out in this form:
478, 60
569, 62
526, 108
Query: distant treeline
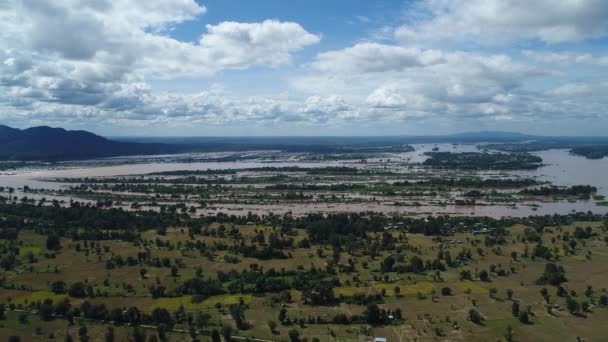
317, 187
576, 190
473, 183
591, 151
328, 170
482, 161
90, 222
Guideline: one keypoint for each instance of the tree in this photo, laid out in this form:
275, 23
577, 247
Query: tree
78, 290
53, 242
510, 294
162, 315
83, 334
509, 334
553, 275
282, 315
524, 317
192, 332
475, 316
484, 276
397, 291
372, 314
46, 310
572, 305
416, 264
515, 309
544, 292
387, 264
294, 335
59, 287
604, 300
398, 314
23, 318
237, 311
139, 334
215, 336
320, 293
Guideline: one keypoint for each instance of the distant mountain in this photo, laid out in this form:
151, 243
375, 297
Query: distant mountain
487, 136
52, 144
55, 144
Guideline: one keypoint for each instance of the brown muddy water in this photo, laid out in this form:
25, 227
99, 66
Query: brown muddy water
561, 168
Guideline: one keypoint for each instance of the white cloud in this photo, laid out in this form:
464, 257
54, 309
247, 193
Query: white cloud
232, 44
71, 61
566, 58
374, 57
500, 21
418, 83
99, 53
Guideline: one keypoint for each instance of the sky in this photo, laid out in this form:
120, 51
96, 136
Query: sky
305, 67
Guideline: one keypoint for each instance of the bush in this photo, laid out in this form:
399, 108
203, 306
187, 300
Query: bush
475, 316
524, 317
572, 305
553, 275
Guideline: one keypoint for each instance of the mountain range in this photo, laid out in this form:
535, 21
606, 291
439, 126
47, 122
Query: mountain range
52, 144
56, 144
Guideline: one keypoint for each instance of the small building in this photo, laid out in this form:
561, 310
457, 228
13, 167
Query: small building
380, 339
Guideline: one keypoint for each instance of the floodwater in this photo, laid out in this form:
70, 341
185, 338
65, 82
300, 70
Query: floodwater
561, 168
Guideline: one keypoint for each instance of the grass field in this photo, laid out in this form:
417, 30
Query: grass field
428, 314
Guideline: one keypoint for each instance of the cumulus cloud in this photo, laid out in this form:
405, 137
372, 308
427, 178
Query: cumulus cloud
566, 58
418, 82
233, 44
496, 21
374, 57
71, 61
98, 54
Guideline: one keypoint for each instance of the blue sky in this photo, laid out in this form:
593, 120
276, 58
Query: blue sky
270, 67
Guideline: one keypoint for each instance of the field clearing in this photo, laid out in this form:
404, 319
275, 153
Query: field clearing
186, 302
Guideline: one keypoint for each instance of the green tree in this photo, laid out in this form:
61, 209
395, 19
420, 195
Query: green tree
215, 336
515, 309
475, 316
572, 305
373, 314
53, 242
509, 334
294, 335
604, 300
